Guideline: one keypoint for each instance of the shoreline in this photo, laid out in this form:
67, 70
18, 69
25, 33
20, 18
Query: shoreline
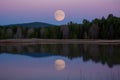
58, 41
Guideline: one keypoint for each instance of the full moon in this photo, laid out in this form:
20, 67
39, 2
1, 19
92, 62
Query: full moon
59, 15
59, 64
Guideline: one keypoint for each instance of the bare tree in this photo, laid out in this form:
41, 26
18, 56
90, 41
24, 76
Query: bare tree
94, 31
65, 31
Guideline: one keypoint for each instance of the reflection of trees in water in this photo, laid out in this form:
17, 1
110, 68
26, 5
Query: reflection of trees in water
109, 54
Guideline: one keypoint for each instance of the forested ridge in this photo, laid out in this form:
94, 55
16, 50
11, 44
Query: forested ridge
104, 28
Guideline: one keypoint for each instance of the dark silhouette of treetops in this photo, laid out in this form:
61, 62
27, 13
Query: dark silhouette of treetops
108, 28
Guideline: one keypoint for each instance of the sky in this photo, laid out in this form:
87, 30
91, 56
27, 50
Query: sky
24, 11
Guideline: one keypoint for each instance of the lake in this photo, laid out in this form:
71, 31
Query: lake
60, 62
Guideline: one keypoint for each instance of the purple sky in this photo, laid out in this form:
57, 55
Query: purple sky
22, 11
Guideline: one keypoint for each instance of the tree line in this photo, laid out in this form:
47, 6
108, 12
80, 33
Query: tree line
104, 28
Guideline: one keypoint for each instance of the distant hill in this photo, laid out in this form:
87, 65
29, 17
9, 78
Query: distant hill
32, 24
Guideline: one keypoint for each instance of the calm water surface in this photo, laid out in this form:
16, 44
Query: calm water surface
60, 62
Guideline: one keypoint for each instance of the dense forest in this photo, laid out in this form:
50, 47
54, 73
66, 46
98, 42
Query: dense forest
104, 28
